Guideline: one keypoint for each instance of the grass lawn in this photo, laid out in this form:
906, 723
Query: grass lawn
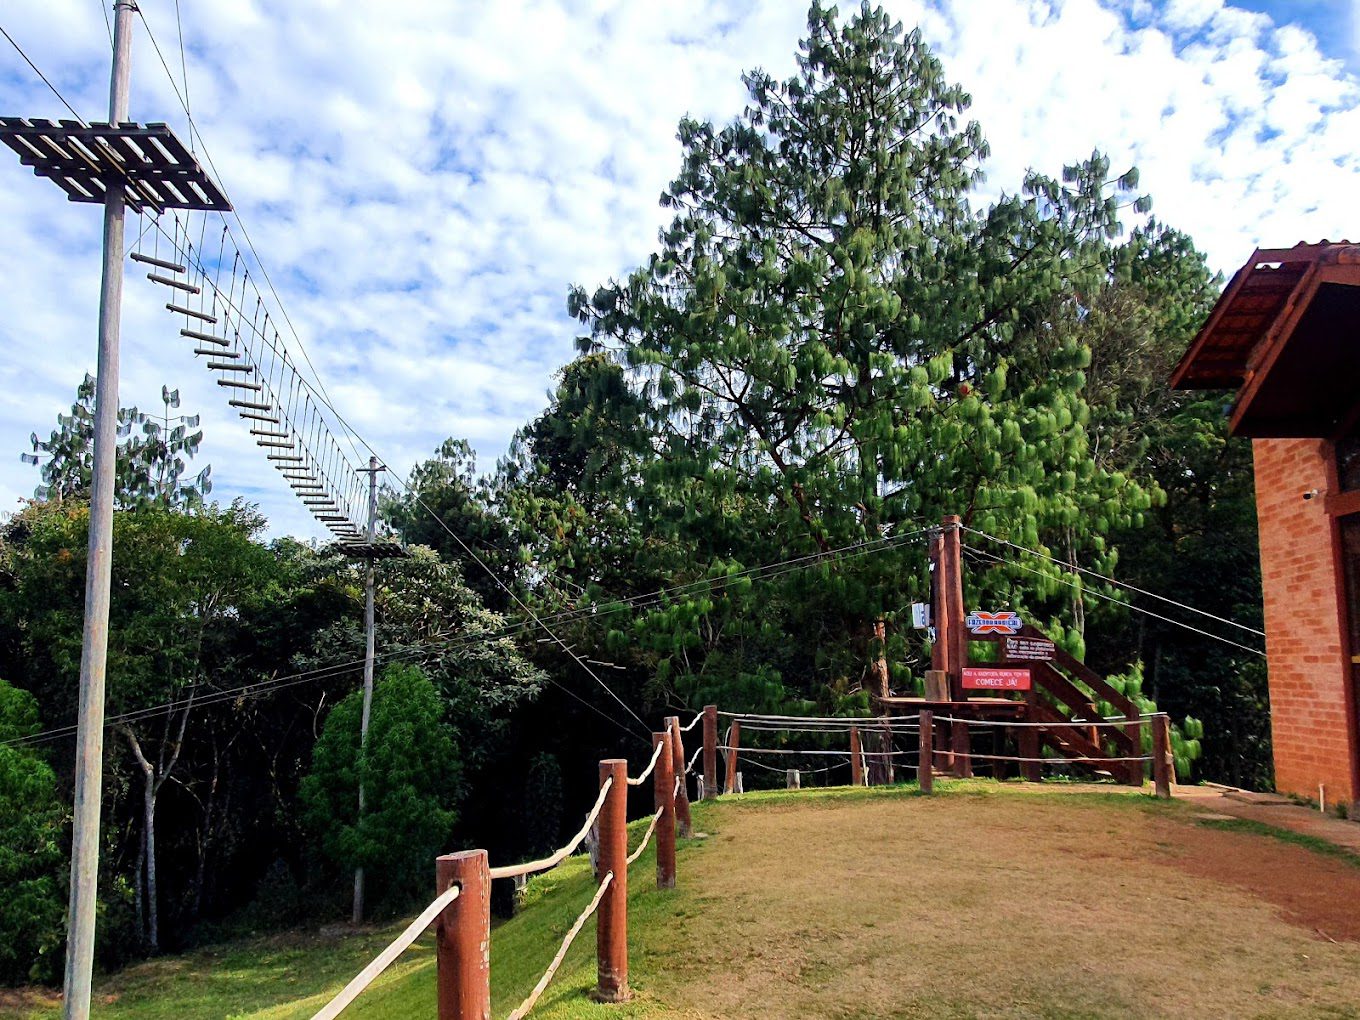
984, 900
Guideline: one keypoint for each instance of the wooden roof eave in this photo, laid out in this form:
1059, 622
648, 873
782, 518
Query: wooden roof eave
1225, 301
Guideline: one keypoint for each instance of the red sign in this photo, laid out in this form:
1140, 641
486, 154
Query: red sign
993, 623
990, 678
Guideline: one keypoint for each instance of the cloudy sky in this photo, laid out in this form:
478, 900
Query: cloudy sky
424, 179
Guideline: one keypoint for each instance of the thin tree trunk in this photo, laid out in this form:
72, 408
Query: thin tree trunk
148, 852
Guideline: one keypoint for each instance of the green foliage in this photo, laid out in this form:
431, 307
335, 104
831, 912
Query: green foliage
153, 455
32, 909
410, 770
833, 346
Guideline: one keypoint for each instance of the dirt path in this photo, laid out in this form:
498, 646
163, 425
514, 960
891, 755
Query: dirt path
1010, 905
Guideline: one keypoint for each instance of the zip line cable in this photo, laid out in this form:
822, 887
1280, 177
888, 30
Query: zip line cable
20, 50
1118, 584
1109, 598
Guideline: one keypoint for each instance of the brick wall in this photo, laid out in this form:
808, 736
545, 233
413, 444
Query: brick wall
1311, 725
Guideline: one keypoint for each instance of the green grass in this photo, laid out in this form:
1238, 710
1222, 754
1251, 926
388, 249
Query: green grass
291, 976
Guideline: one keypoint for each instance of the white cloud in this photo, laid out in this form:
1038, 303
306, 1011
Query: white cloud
425, 179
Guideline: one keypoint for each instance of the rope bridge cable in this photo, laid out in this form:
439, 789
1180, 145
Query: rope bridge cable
693, 758
556, 858
523, 1008
692, 723
384, 959
1109, 598
1119, 584
642, 778
805, 772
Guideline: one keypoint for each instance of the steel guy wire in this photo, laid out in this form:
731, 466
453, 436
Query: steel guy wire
1111, 580
1109, 598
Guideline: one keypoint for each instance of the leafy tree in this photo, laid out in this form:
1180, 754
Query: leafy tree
834, 344
445, 506
153, 452
32, 922
410, 769
180, 584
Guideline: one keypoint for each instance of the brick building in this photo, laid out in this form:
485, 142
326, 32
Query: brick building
1285, 335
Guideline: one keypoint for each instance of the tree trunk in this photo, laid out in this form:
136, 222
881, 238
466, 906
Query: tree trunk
152, 910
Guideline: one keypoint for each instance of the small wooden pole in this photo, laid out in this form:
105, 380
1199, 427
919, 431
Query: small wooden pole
611, 926
925, 761
856, 759
1162, 762
710, 751
663, 800
886, 743
793, 779
463, 937
1134, 729
683, 824
730, 779
1028, 740
962, 745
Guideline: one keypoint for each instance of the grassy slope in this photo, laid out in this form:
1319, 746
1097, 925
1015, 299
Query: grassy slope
291, 976
674, 936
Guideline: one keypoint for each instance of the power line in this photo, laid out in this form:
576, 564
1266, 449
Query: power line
508, 631
1118, 584
1110, 598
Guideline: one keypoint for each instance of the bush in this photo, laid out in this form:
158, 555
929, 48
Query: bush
32, 909
410, 770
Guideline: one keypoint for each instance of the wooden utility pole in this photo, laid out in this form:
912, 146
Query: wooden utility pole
99, 566
369, 643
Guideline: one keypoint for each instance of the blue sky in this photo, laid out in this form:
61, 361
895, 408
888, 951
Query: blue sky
426, 178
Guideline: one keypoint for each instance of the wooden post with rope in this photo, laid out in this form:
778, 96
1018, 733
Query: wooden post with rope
463, 937
734, 741
1162, 761
710, 751
856, 759
611, 927
925, 763
684, 826
663, 778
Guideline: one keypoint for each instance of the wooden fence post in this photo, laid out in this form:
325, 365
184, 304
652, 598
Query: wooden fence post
886, 745
664, 801
793, 779
1162, 762
730, 779
684, 826
463, 937
925, 761
611, 926
710, 751
856, 759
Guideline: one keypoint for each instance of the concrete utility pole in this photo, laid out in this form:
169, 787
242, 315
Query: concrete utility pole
369, 641
94, 650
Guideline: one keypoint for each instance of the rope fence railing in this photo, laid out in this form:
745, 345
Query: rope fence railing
461, 910
558, 856
385, 959
1071, 741
522, 1010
